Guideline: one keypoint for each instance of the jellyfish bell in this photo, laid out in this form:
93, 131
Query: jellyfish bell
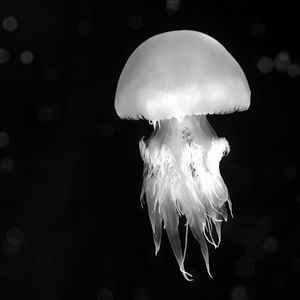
174, 80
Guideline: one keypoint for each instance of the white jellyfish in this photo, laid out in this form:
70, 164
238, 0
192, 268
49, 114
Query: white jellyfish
174, 80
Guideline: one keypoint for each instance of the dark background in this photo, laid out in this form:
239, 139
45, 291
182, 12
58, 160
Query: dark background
71, 224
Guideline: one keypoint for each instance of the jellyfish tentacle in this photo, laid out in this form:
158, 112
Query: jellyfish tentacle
198, 233
182, 177
218, 230
155, 219
209, 228
185, 239
171, 220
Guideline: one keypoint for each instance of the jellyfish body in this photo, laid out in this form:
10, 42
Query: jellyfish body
174, 79
182, 178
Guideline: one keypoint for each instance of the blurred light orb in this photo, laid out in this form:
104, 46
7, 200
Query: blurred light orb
10, 24
270, 245
172, 6
45, 114
265, 65
7, 165
16, 233
4, 139
293, 70
26, 57
10, 246
282, 61
135, 23
258, 29
289, 172
295, 264
85, 27
4, 56
238, 293
105, 294
141, 294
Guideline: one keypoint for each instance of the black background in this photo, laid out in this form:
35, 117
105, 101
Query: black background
71, 224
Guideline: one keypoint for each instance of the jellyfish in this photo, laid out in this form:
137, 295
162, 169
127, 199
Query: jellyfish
173, 80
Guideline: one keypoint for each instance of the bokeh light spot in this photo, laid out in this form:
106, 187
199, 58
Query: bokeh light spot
45, 114
265, 65
26, 57
105, 294
10, 24
141, 294
4, 139
293, 70
16, 233
7, 165
238, 293
295, 264
85, 27
289, 172
172, 6
244, 267
135, 23
10, 246
258, 29
282, 61
270, 245
4, 56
